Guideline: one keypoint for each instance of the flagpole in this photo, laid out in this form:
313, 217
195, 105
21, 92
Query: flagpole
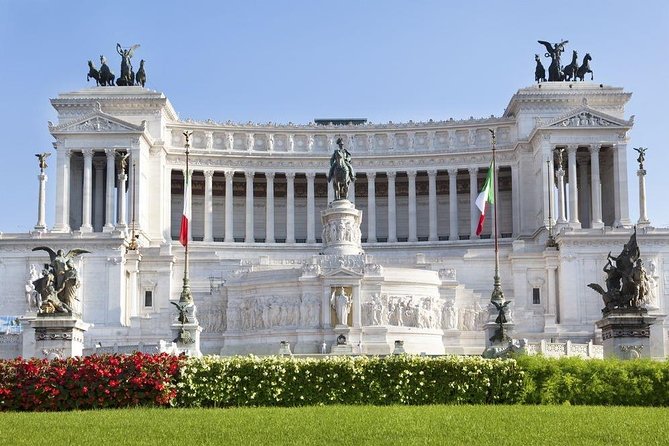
497, 294
186, 296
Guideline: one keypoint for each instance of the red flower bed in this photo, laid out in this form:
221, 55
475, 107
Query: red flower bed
90, 382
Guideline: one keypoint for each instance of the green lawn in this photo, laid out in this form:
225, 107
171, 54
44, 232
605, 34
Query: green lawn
343, 425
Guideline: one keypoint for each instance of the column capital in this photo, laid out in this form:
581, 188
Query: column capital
290, 176
310, 175
111, 153
269, 176
432, 173
208, 173
452, 171
594, 148
411, 174
88, 153
572, 148
370, 175
229, 174
473, 170
391, 175
249, 174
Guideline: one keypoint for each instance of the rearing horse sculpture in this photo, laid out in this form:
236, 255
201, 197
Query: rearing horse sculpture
341, 173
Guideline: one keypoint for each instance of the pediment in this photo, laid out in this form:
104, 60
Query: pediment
586, 117
342, 272
97, 122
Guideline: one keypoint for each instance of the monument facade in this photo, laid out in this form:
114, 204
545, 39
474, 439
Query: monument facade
274, 242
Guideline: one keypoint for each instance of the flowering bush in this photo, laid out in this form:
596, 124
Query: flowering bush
282, 381
90, 382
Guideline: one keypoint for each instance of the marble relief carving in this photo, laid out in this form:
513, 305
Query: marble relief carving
266, 312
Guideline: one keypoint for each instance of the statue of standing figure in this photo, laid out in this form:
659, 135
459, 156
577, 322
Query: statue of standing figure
341, 172
341, 303
59, 282
127, 77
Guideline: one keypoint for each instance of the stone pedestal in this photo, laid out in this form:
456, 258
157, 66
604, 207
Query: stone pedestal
341, 229
187, 338
626, 333
58, 336
339, 347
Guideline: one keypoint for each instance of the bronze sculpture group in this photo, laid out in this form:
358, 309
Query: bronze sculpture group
627, 283
105, 77
57, 288
556, 71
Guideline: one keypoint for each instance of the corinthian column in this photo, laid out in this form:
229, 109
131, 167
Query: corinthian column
41, 203
109, 190
63, 191
392, 211
432, 204
573, 187
250, 238
411, 175
473, 193
643, 217
596, 188
269, 208
229, 225
290, 207
208, 206
87, 196
311, 236
121, 221
371, 207
454, 230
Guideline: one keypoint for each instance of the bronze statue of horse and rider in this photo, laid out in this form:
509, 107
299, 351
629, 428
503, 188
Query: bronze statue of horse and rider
341, 172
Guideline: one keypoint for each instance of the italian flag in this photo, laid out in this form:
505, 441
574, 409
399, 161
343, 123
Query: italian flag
185, 217
487, 195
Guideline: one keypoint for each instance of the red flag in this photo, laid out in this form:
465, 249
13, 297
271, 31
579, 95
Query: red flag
184, 234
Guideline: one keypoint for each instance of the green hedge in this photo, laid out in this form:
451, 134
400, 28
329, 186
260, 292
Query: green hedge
595, 382
282, 381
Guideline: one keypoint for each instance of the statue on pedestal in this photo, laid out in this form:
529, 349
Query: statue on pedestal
341, 303
341, 173
59, 282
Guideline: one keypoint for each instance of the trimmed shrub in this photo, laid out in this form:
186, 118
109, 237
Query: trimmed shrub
595, 382
282, 381
89, 382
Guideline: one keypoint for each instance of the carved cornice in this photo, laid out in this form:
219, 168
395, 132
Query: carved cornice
304, 163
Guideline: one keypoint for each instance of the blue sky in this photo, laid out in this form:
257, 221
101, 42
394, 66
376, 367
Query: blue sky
293, 61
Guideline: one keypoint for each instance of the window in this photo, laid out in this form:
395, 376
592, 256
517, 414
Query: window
536, 296
148, 298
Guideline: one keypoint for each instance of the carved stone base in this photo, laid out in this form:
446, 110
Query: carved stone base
341, 228
626, 333
59, 336
187, 338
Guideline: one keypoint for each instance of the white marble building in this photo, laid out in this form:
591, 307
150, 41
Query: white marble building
258, 192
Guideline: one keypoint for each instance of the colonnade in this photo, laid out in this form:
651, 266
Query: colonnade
105, 198
584, 195
372, 214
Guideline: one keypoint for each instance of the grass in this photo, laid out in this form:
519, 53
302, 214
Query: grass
343, 425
